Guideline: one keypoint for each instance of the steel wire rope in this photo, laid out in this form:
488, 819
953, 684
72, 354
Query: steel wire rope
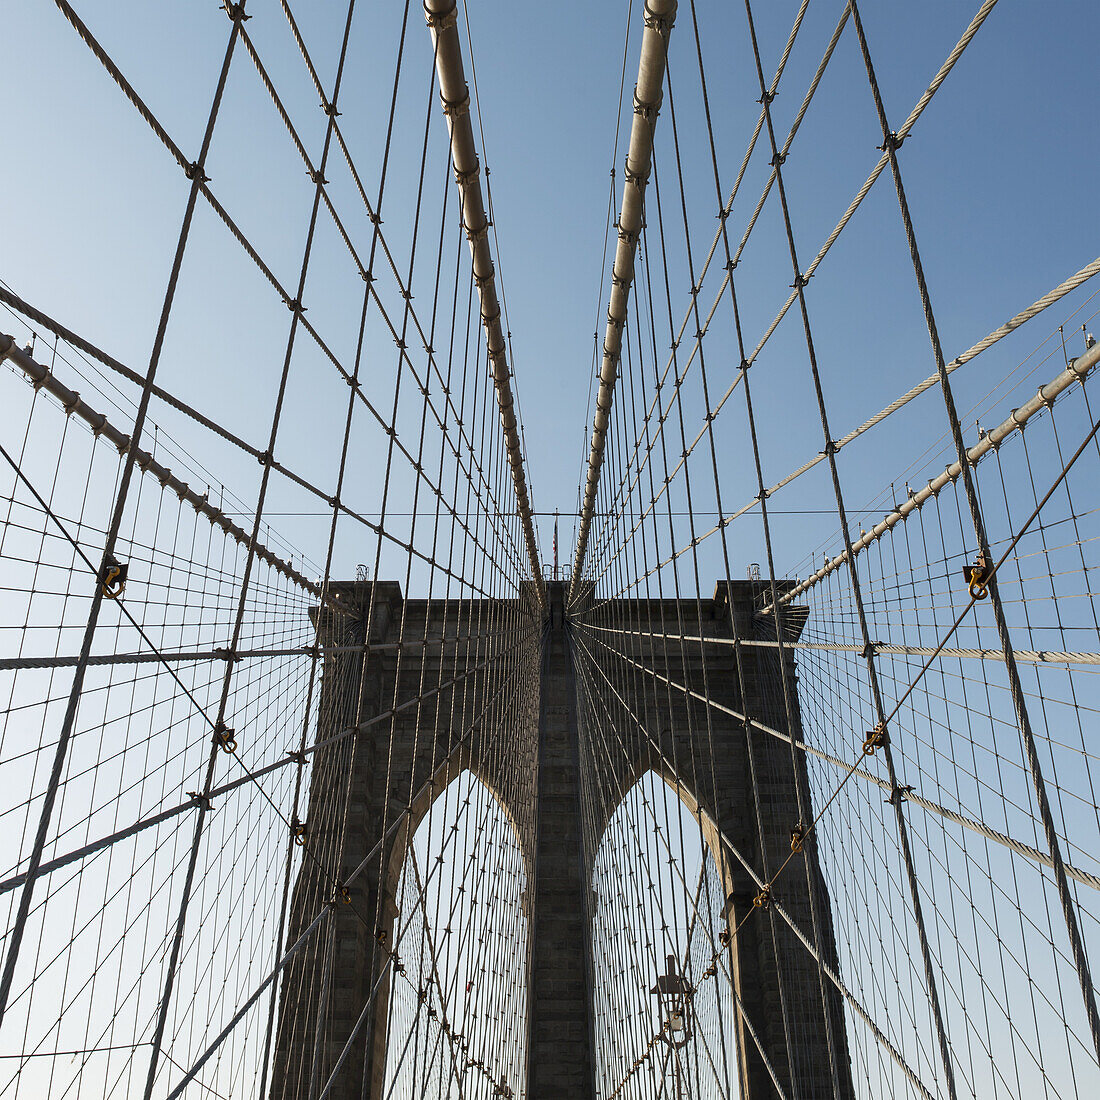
238, 18
979, 826
1004, 330
371, 608
724, 211
587, 688
891, 143
293, 303
90, 354
608, 221
761, 838
16, 933
348, 422
287, 956
833, 977
799, 284
374, 215
914, 115
788, 704
853, 768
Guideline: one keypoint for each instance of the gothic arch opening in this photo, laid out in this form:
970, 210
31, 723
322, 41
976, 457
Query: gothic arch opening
456, 1015
662, 983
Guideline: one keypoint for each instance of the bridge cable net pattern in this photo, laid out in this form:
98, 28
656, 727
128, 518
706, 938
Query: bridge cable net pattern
876, 877
938, 771
171, 657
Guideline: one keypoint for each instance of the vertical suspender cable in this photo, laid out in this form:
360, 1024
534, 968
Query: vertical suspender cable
659, 18
442, 18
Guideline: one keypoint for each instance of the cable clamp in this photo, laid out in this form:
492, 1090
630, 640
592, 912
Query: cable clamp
456, 108
977, 577
464, 178
298, 832
298, 756
878, 738
441, 20
225, 738
799, 834
479, 234
898, 794
329, 109
767, 98
317, 177
731, 266
763, 900
869, 650
635, 178
381, 936
892, 142
235, 12
830, 448
192, 170
112, 577
295, 305
648, 111
800, 281
69, 406
778, 160
201, 800
661, 23
344, 894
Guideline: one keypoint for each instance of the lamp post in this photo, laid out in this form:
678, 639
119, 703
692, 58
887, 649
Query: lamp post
674, 999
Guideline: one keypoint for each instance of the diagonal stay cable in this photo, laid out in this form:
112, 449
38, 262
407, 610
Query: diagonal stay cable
293, 303
195, 174
829, 972
326, 910
155, 653
765, 900
910, 122
1050, 298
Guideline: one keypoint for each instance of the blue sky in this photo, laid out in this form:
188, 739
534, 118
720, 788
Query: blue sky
998, 172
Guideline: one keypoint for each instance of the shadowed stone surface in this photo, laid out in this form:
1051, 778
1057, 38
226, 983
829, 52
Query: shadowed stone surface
559, 1047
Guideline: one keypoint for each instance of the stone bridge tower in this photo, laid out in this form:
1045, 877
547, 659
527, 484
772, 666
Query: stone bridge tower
381, 651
